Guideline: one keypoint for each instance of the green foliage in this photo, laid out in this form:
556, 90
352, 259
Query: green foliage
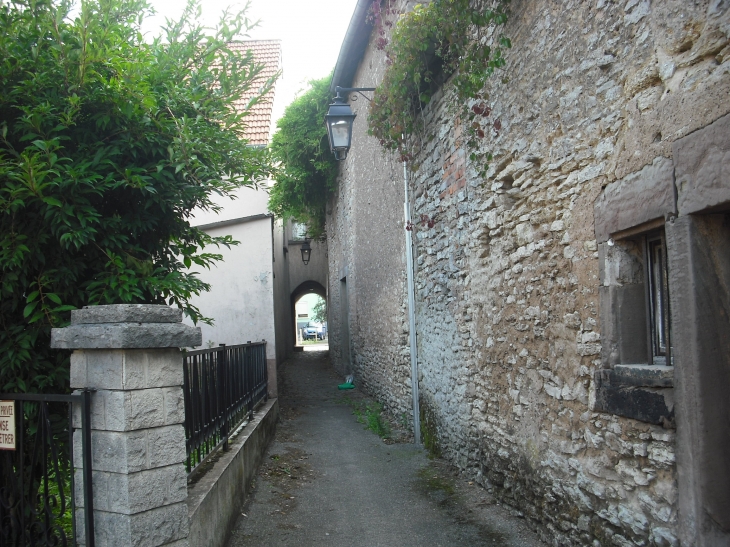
375, 422
308, 171
370, 414
429, 43
429, 430
107, 144
319, 311
56, 486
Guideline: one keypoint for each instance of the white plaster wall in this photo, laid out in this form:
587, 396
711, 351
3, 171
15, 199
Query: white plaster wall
251, 290
241, 299
247, 202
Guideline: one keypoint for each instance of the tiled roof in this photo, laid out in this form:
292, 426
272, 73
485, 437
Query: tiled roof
258, 120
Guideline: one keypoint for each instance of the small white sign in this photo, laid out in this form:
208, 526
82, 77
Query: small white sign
7, 425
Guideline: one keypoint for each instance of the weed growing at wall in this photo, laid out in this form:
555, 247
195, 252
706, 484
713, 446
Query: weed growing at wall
428, 45
370, 414
429, 430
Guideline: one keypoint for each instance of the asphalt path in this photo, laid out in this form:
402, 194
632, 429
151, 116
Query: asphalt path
326, 480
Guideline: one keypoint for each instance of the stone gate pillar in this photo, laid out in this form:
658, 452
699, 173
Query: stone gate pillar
130, 355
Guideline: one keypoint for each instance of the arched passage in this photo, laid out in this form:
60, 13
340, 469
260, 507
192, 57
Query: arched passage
307, 287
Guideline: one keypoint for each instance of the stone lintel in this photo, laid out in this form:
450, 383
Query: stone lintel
638, 198
126, 313
702, 161
126, 335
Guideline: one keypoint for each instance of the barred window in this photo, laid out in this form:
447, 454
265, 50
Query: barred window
658, 299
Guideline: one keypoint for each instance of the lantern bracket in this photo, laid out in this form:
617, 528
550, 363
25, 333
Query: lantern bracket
339, 121
359, 90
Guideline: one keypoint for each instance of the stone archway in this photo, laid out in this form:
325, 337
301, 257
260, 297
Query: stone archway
307, 287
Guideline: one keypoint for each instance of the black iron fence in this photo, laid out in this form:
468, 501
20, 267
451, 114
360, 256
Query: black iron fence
222, 387
37, 506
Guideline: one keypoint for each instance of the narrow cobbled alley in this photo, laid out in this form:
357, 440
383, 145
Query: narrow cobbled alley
326, 480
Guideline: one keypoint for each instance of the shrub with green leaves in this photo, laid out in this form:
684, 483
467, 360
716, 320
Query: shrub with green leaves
308, 173
107, 144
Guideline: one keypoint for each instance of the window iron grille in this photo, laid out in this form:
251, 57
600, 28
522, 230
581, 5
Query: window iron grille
658, 299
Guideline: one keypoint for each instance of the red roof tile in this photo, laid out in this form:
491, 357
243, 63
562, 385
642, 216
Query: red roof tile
258, 120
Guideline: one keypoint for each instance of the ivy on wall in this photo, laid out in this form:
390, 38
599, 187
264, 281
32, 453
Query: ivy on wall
308, 172
429, 44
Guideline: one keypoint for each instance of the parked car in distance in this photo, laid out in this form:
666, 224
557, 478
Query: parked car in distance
314, 330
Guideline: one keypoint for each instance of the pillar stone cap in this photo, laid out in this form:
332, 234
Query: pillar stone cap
126, 313
123, 326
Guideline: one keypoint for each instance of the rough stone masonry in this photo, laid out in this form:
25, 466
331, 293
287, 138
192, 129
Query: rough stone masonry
515, 338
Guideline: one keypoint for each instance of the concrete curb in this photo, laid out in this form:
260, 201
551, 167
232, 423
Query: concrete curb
214, 502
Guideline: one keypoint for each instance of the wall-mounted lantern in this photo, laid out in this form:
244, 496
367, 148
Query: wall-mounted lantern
339, 120
306, 252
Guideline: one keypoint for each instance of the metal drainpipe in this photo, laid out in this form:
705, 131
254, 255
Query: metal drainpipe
412, 313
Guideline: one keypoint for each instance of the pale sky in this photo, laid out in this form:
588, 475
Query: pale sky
311, 32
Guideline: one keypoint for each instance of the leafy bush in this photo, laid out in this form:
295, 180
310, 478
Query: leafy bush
308, 171
107, 143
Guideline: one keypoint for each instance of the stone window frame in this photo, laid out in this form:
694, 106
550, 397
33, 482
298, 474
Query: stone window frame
691, 192
699, 266
639, 351
631, 381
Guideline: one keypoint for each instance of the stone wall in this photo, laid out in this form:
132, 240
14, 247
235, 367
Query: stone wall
366, 249
507, 280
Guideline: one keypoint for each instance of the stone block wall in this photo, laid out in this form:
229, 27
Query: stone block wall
510, 333
138, 445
